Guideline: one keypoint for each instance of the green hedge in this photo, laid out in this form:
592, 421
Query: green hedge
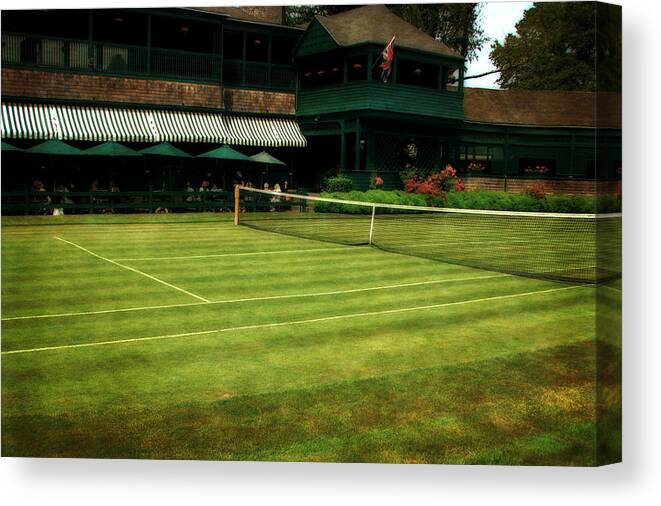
500, 201
337, 184
398, 197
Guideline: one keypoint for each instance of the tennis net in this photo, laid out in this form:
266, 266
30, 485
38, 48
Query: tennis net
577, 248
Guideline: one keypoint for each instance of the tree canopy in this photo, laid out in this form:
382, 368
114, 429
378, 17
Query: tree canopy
458, 26
563, 46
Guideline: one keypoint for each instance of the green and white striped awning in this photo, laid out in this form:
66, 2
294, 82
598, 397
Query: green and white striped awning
84, 123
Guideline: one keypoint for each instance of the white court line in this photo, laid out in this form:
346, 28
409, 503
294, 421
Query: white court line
283, 324
218, 255
253, 299
133, 270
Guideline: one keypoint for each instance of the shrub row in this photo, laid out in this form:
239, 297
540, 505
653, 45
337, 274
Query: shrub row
398, 197
337, 184
499, 201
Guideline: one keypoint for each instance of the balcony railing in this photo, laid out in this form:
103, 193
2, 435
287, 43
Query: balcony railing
116, 59
259, 75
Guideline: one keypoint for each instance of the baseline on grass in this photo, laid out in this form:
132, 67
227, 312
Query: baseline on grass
570, 247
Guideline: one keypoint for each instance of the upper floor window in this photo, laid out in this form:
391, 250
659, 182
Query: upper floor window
357, 67
119, 27
257, 47
67, 23
321, 73
182, 34
417, 73
452, 77
282, 49
233, 45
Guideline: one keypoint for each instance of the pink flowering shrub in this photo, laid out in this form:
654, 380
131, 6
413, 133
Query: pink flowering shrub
436, 185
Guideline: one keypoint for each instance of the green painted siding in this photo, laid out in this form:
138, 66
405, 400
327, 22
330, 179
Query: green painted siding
315, 40
375, 96
573, 149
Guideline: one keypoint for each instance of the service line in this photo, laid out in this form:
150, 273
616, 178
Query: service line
284, 324
114, 262
253, 299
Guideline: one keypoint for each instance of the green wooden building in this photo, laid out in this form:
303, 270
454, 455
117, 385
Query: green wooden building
312, 96
424, 117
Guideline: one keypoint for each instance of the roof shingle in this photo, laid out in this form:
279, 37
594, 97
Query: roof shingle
376, 23
543, 108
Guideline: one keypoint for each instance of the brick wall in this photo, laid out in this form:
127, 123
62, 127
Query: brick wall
274, 102
565, 186
31, 84
84, 87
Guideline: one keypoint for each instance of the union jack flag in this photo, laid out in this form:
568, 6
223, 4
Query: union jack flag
387, 57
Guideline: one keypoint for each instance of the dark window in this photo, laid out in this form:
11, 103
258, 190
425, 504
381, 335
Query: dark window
233, 45
257, 47
475, 159
616, 170
66, 23
182, 34
282, 49
536, 167
357, 68
417, 73
322, 73
591, 169
119, 27
451, 78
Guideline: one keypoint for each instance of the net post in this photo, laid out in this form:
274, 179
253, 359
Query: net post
237, 191
372, 224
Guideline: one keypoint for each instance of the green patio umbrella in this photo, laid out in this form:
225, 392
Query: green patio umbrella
224, 152
55, 147
165, 149
9, 147
264, 157
112, 148
168, 150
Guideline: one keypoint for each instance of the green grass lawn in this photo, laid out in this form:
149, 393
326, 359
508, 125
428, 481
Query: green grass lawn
183, 336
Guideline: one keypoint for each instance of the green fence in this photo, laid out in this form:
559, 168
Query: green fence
30, 202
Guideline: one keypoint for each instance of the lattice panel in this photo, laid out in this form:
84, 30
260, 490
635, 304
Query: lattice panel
392, 152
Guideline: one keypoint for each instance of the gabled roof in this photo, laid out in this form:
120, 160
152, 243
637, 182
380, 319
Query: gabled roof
543, 108
376, 23
236, 13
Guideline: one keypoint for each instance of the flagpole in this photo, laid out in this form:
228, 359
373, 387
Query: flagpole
381, 54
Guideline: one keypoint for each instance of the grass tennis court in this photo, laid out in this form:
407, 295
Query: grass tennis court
184, 336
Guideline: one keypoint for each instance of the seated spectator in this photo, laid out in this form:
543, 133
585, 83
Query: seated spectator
38, 187
189, 189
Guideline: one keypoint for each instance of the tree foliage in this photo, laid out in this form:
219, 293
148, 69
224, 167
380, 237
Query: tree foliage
563, 46
458, 26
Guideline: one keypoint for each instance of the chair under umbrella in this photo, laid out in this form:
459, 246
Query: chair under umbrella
266, 159
224, 152
168, 150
